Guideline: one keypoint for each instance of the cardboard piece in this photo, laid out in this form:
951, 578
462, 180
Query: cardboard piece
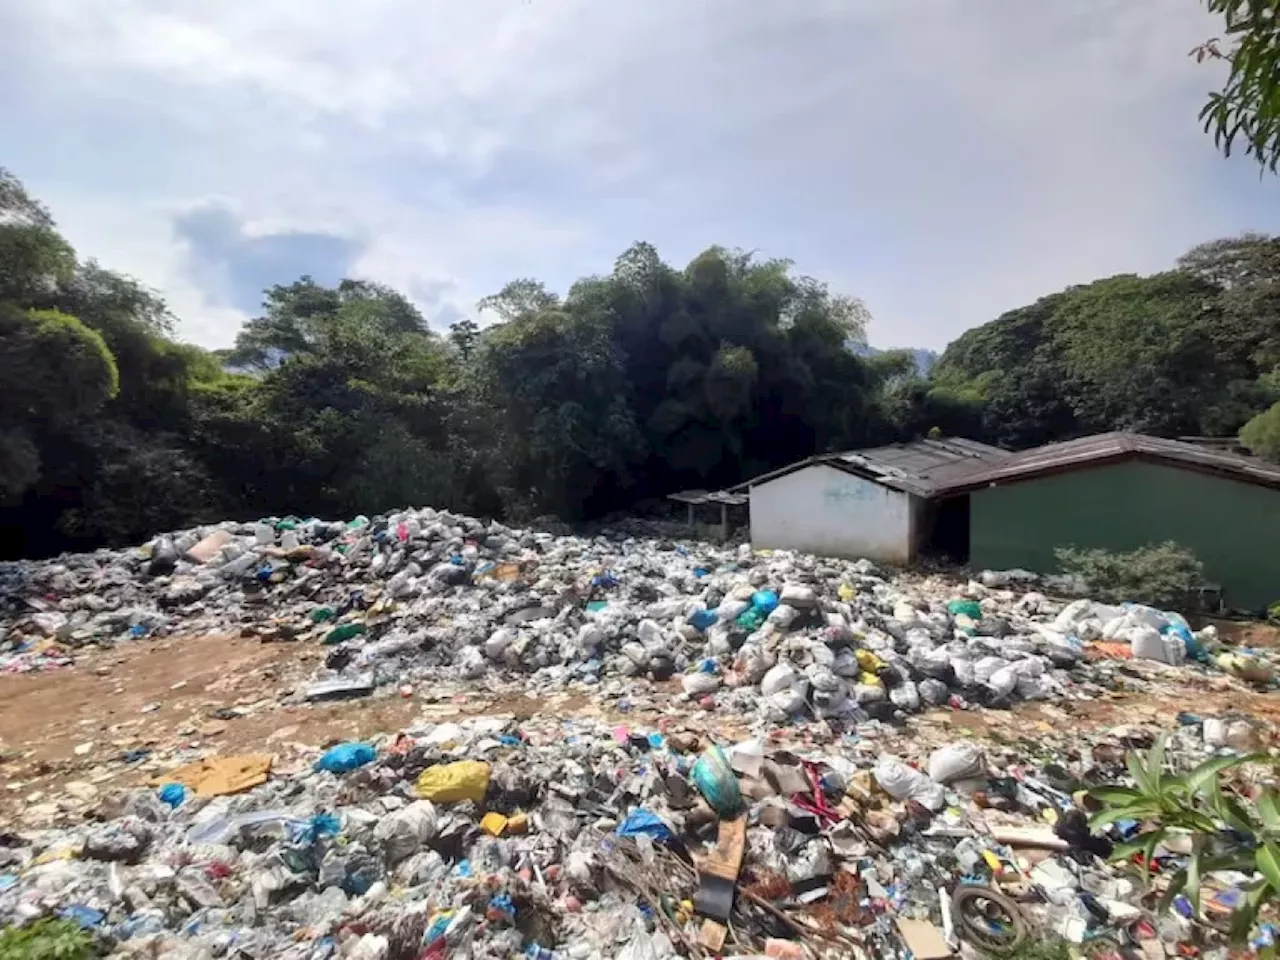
923, 939
208, 548
711, 936
718, 871
786, 779
219, 776
1043, 837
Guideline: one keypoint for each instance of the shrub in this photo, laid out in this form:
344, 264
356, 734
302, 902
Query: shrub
1262, 434
47, 939
1162, 575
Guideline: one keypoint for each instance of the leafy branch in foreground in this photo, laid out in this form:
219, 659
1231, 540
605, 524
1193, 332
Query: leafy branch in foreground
1226, 833
1247, 108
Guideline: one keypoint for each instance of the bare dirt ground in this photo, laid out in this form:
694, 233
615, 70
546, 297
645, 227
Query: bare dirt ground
71, 730
72, 726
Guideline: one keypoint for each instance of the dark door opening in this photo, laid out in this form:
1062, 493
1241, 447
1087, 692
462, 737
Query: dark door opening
951, 530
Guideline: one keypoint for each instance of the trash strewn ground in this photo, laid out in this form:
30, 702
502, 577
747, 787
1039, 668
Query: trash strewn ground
424, 736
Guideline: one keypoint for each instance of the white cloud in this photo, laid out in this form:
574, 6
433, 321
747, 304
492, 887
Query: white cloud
944, 159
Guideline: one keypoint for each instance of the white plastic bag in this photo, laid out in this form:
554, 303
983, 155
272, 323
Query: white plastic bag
906, 696
404, 832
498, 642
779, 678
957, 761
699, 684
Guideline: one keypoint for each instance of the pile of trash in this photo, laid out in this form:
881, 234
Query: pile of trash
555, 839
793, 801
428, 595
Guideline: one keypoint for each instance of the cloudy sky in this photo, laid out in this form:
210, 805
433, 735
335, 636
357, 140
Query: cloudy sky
945, 160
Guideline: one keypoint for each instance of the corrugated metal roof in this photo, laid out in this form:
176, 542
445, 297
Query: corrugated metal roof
909, 467
1102, 448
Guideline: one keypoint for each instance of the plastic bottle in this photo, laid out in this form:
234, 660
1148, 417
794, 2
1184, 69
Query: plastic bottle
264, 534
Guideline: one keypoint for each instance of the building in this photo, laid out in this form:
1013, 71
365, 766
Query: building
1121, 491
874, 503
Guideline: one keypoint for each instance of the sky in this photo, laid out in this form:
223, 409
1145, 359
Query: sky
943, 160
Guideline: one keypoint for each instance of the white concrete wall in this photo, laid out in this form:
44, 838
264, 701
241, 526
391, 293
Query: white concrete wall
826, 511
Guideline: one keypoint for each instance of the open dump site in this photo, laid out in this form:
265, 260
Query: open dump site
424, 736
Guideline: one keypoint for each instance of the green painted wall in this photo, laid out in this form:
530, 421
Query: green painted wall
1233, 527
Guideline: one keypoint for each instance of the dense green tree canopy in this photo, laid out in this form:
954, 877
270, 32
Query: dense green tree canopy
651, 378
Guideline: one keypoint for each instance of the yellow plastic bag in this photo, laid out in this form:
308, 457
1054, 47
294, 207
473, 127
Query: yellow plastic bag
846, 592
454, 782
868, 661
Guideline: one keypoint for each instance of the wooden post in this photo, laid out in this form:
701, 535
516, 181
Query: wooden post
724, 521
690, 517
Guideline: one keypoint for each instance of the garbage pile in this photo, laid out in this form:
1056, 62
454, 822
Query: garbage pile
794, 799
555, 839
425, 595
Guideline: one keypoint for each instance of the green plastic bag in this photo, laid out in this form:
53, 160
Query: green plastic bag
969, 608
343, 632
714, 777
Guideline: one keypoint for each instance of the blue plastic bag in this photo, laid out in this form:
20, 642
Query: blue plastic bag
86, 917
703, 619
1194, 649
173, 794
346, 757
714, 777
766, 601
640, 822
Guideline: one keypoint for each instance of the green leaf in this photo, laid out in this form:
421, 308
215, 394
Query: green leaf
1268, 857
1139, 844
1139, 773
1176, 884
1202, 775
1194, 866
1136, 811
1114, 795
1155, 763
1153, 838
1242, 920
1269, 808
1234, 815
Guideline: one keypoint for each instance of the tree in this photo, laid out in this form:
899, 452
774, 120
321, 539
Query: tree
1175, 353
1262, 434
519, 298
464, 336
297, 316
34, 259
54, 372
1247, 108
569, 432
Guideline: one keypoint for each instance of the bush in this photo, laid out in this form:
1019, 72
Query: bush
1262, 434
1162, 575
47, 940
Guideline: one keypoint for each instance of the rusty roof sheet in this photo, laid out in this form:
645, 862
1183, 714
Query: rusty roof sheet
1106, 448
